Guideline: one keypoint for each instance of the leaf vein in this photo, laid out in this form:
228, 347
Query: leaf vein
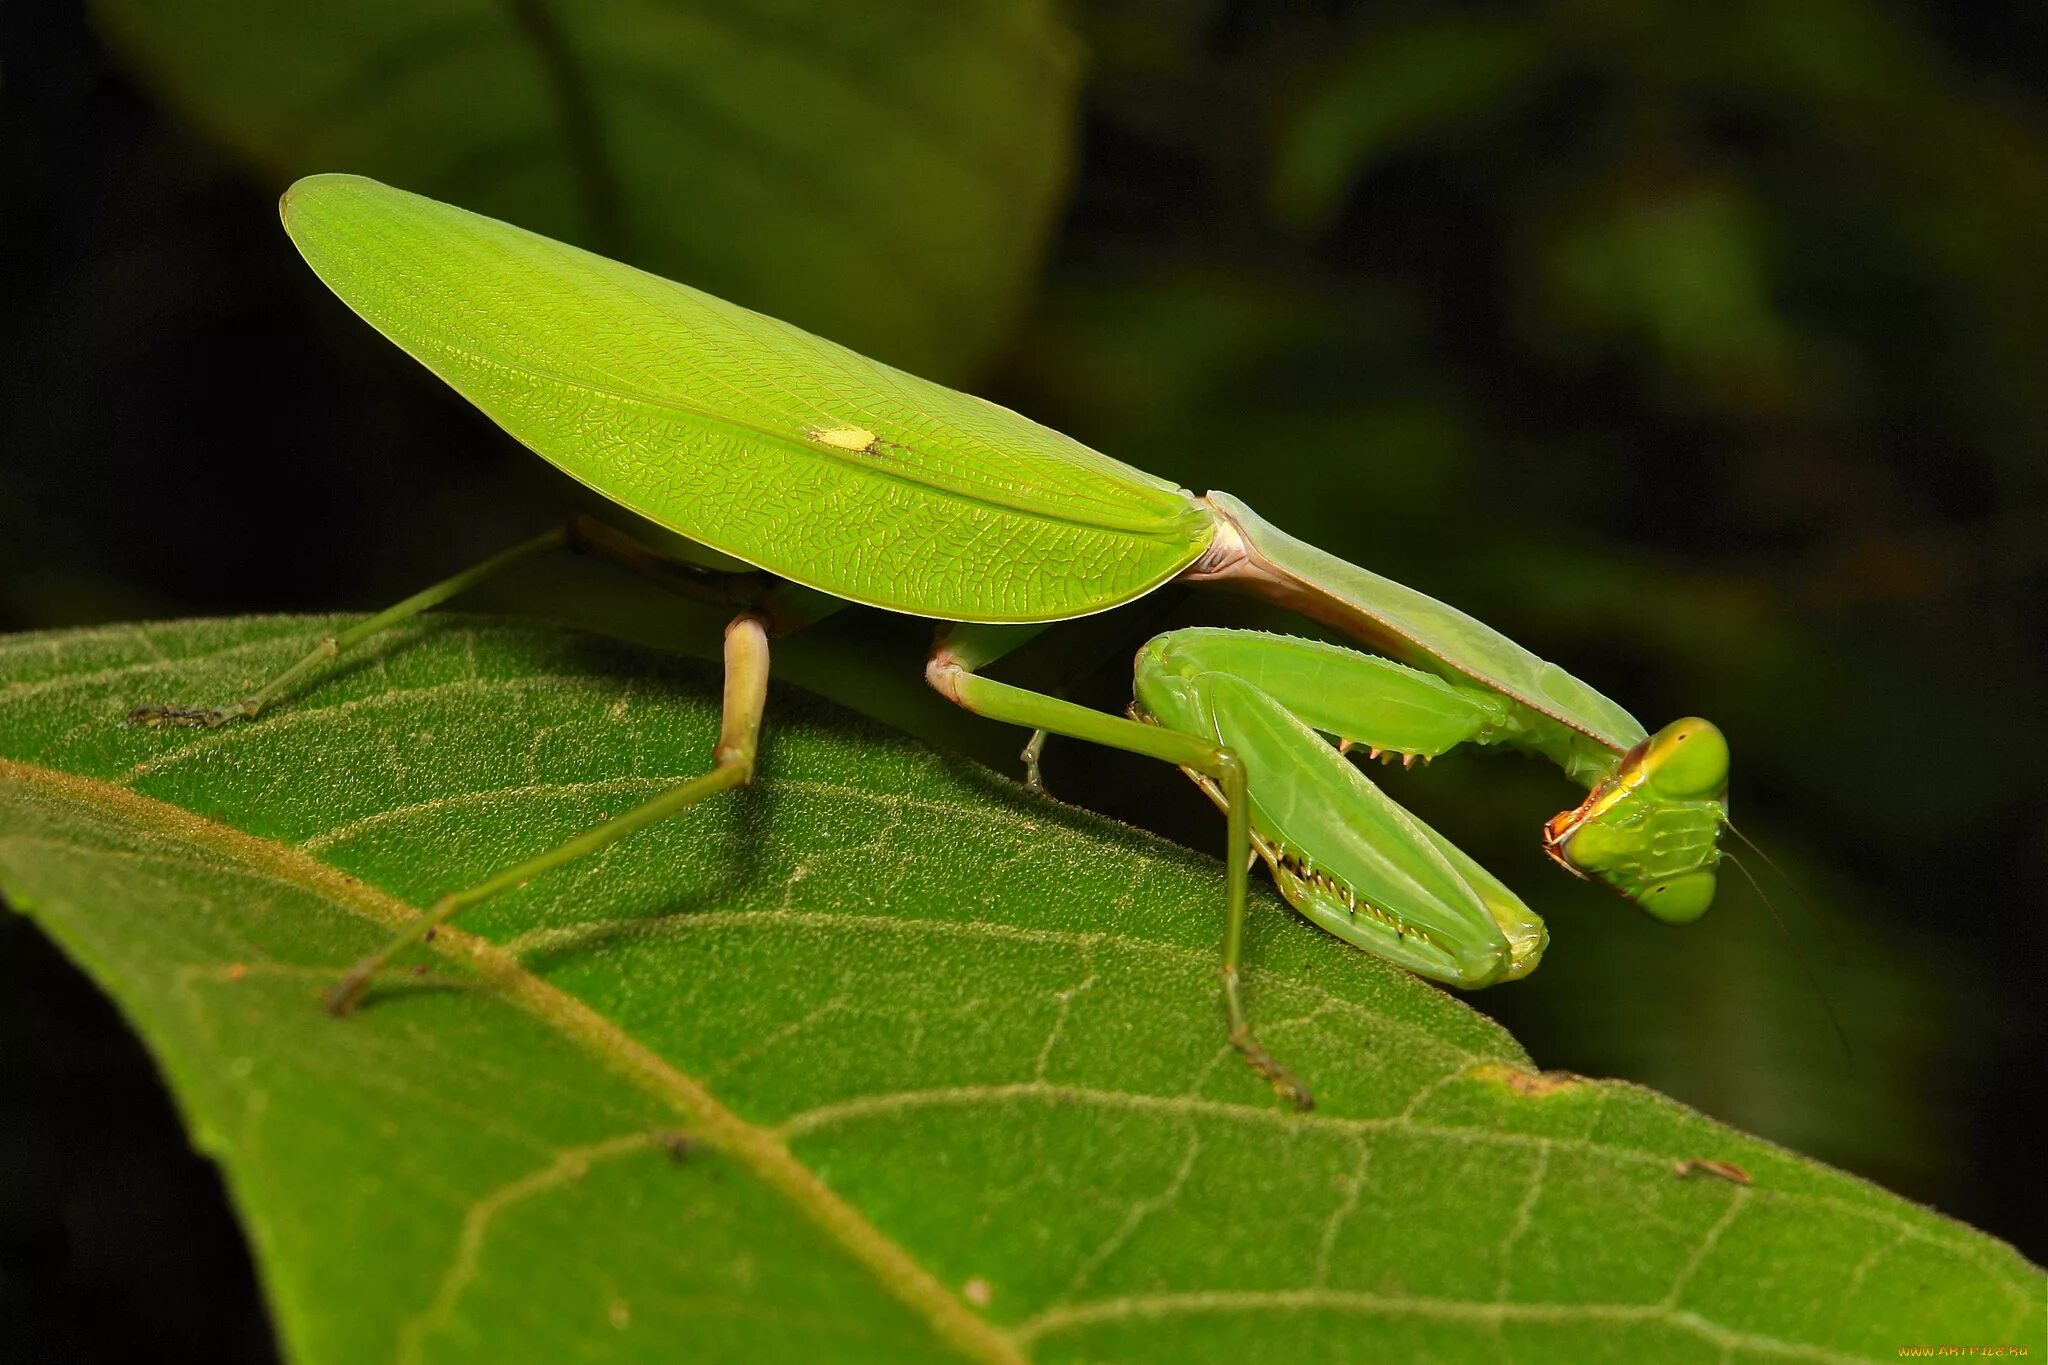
1217, 1301
761, 1151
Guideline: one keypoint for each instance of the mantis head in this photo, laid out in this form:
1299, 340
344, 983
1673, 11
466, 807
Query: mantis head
1650, 828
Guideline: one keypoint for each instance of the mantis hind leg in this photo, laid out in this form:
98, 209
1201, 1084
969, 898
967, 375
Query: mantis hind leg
951, 672
769, 606
781, 605
746, 691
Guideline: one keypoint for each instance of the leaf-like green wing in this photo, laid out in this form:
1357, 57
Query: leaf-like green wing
745, 433
879, 1060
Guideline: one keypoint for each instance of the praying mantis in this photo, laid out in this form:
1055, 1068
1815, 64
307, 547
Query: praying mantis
843, 480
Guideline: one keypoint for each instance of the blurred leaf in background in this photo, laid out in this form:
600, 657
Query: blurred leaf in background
883, 173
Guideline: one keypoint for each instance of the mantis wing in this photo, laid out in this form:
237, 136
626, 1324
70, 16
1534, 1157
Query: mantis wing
744, 433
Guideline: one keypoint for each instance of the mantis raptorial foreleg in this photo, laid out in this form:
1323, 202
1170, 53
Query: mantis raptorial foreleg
1390, 710
950, 670
1347, 855
784, 606
739, 737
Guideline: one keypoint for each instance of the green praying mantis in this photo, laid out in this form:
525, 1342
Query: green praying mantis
843, 480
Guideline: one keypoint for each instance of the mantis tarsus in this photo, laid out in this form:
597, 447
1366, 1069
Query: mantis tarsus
845, 480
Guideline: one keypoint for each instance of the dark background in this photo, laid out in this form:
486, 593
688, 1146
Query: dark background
1700, 348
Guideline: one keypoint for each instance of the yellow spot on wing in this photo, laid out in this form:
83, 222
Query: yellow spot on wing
842, 438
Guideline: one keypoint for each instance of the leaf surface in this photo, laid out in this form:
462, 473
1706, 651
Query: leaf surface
880, 1060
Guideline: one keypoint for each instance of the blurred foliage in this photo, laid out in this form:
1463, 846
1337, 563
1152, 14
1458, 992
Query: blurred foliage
1697, 347
883, 174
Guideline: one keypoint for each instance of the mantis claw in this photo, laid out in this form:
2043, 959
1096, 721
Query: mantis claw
341, 997
1034, 776
155, 717
1254, 1053
1279, 1077
339, 1000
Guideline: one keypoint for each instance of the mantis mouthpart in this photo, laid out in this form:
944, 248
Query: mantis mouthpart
844, 480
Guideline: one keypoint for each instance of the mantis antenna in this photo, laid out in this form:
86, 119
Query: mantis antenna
1835, 949
1805, 962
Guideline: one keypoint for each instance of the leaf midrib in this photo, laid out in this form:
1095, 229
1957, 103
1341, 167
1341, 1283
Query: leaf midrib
760, 1150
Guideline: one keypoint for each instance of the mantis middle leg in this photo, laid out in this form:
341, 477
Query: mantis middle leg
951, 670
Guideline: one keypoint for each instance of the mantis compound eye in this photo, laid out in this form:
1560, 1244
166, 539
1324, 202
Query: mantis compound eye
1679, 900
1687, 760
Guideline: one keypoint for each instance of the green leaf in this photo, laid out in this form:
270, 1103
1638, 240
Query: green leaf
883, 174
1399, 85
881, 1059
